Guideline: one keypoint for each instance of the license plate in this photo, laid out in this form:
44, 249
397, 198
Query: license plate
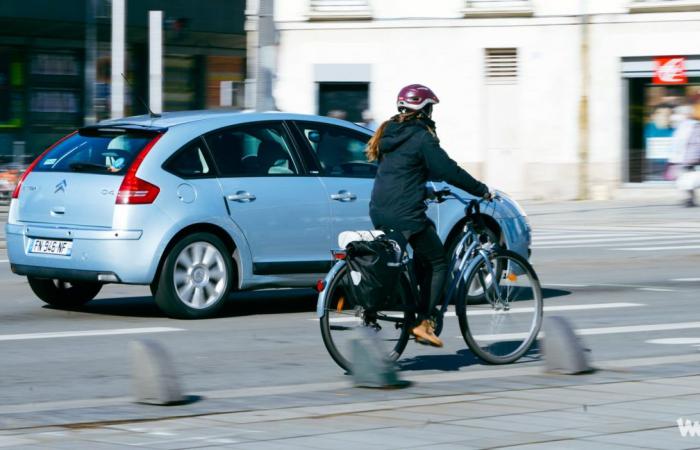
51, 247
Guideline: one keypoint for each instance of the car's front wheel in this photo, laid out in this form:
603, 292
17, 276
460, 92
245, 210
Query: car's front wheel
196, 278
64, 294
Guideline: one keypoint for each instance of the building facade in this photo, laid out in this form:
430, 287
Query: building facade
550, 99
55, 59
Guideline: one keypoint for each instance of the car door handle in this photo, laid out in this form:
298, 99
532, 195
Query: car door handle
241, 196
344, 196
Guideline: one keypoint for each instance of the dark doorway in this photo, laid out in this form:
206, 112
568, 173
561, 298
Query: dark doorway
351, 98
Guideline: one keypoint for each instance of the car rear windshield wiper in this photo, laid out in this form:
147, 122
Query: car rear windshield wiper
88, 167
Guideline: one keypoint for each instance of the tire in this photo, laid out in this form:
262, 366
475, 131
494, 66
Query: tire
64, 294
196, 278
519, 323
395, 331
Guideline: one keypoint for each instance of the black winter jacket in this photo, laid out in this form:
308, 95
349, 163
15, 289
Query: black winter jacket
410, 156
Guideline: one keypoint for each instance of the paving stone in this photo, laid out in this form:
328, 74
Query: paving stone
664, 439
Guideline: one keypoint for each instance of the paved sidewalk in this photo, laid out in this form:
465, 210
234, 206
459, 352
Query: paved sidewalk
636, 405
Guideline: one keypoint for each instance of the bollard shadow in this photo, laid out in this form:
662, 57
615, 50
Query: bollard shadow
456, 361
273, 301
553, 293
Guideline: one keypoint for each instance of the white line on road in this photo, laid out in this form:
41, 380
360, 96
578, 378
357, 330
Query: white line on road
62, 334
656, 289
4, 260
675, 341
597, 331
607, 243
650, 249
685, 279
519, 310
565, 285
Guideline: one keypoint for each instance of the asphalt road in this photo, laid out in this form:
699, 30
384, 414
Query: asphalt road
626, 275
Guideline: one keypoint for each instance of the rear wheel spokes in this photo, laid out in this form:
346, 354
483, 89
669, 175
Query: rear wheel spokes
343, 319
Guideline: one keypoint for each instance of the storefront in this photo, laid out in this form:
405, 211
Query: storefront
660, 95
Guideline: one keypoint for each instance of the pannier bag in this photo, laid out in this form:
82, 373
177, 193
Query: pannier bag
374, 269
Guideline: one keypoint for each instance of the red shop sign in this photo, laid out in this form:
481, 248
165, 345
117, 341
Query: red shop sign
670, 70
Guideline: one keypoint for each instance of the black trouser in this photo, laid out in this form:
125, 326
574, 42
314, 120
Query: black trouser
431, 268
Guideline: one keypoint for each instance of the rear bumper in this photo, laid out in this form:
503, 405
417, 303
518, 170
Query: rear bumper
65, 274
105, 255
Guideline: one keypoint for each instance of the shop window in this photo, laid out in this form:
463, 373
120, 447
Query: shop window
339, 10
497, 8
658, 123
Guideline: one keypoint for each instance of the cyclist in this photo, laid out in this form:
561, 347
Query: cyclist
409, 154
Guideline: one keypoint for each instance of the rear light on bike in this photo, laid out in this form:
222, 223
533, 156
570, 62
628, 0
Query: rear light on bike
339, 255
320, 285
133, 190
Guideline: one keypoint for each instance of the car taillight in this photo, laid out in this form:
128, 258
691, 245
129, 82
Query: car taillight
15, 193
135, 191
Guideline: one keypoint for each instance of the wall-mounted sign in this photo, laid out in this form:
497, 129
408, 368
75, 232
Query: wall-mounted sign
670, 70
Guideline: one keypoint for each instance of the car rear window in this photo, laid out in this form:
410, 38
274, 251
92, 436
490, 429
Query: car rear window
101, 151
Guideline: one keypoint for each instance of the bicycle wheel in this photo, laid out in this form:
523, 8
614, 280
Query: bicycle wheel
502, 328
342, 318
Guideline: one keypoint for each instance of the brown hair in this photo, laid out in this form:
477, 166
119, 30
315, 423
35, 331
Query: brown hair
372, 150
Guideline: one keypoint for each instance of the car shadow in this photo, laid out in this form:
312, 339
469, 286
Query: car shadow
273, 301
456, 361
552, 293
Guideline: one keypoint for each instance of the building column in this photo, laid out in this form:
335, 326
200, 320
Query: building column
118, 58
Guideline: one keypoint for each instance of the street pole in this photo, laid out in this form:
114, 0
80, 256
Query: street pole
89, 116
155, 61
118, 58
260, 28
584, 142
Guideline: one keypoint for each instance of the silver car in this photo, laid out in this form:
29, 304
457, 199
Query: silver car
196, 204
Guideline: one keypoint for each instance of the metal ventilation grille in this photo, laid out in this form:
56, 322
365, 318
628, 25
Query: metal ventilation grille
501, 65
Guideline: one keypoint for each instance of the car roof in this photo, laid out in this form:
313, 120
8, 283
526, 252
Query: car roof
216, 117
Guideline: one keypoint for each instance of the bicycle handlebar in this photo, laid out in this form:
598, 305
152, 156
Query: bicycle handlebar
440, 195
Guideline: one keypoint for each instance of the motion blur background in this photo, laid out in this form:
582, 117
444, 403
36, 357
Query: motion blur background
546, 99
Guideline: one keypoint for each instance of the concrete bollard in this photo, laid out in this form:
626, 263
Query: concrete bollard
154, 380
370, 366
562, 349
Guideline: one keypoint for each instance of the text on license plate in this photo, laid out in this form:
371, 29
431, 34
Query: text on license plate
51, 247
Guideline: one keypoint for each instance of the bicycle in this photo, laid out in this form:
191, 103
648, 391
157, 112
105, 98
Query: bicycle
496, 292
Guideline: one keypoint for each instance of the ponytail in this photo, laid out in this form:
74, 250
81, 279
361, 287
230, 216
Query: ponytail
372, 150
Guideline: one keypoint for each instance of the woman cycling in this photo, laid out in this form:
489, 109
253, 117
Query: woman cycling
409, 155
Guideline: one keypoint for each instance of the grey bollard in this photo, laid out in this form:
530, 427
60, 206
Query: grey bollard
370, 366
154, 380
562, 349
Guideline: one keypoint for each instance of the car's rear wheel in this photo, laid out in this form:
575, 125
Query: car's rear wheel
62, 293
196, 278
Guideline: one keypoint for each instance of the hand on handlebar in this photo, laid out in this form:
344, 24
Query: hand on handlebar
438, 196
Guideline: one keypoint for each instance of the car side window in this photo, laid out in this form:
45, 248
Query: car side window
340, 152
252, 150
190, 161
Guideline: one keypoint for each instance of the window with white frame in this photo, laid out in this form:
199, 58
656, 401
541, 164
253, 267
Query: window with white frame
642, 6
339, 10
497, 8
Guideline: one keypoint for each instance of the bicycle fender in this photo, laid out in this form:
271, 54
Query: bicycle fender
470, 267
320, 312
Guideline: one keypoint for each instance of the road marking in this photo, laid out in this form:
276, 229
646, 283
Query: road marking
608, 242
63, 334
4, 260
682, 280
597, 331
650, 249
517, 310
674, 341
569, 236
566, 285
656, 289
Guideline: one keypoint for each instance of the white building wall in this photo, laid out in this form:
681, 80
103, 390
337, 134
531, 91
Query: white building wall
406, 42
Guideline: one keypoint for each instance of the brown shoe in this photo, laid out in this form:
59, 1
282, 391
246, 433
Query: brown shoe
425, 334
